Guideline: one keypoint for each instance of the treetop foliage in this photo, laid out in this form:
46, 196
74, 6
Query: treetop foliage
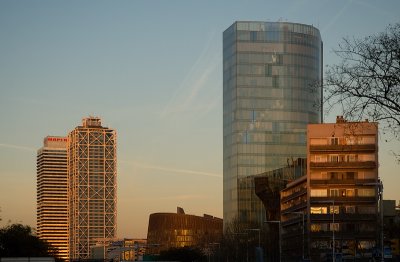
366, 83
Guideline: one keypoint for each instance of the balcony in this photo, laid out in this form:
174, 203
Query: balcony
294, 207
294, 195
344, 217
332, 182
342, 148
339, 200
342, 181
354, 164
356, 234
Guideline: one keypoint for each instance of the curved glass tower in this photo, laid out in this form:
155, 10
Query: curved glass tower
269, 75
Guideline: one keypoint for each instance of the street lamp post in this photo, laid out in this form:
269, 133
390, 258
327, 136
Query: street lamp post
279, 229
302, 214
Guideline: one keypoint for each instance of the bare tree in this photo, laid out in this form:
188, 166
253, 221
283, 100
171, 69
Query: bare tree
366, 83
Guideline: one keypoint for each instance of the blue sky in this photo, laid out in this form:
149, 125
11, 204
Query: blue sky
152, 70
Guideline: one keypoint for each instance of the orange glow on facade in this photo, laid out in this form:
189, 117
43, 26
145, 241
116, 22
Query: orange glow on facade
92, 186
52, 206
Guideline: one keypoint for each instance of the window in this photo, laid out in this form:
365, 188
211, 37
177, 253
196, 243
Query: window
352, 158
319, 210
275, 81
334, 192
350, 209
350, 193
366, 209
350, 175
333, 158
333, 209
319, 193
316, 227
366, 192
334, 141
334, 226
319, 158
268, 70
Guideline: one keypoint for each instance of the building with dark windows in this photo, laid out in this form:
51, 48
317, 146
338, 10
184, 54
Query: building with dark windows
336, 204
270, 187
270, 71
52, 197
343, 190
92, 171
294, 237
174, 230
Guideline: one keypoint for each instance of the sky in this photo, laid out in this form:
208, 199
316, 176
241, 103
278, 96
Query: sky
152, 70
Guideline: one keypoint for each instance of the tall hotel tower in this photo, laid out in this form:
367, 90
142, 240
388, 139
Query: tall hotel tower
269, 69
52, 198
92, 171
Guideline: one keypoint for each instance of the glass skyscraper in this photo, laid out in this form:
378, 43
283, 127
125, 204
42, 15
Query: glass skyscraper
271, 72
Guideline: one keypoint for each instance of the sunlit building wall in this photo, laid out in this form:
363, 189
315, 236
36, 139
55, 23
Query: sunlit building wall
52, 206
167, 230
270, 94
343, 189
92, 186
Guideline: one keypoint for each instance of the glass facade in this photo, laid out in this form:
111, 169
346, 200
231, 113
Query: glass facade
269, 75
170, 230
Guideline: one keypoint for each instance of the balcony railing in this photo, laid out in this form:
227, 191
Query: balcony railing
294, 195
344, 234
343, 217
354, 164
345, 199
294, 207
343, 148
342, 181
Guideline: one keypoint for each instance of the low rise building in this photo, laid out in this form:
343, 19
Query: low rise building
168, 230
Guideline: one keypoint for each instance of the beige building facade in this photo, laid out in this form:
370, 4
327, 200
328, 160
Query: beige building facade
343, 189
52, 197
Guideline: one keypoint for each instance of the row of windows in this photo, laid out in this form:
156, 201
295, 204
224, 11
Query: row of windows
343, 192
345, 227
279, 104
346, 209
275, 26
273, 58
269, 70
278, 48
347, 140
343, 175
272, 93
276, 150
291, 81
336, 158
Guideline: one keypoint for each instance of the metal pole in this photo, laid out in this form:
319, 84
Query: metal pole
380, 187
280, 244
333, 232
303, 233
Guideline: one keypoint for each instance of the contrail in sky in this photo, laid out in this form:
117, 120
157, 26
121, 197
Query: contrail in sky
25, 148
174, 170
